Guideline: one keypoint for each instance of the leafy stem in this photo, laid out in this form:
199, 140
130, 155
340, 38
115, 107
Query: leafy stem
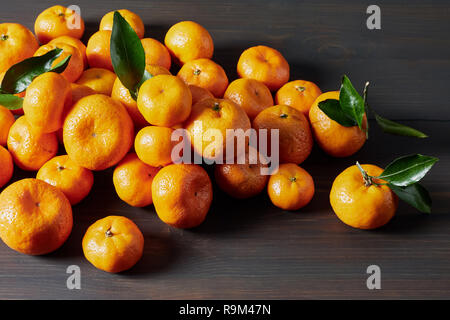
127, 55
367, 179
349, 111
19, 76
402, 176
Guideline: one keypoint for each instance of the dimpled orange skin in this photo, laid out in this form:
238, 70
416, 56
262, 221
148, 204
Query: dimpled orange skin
44, 103
299, 94
133, 179
359, 206
154, 146
241, 180
113, 244
264, 64
76, 65
155, 70
205, 73
156, 53
188, 40
251, 95
6, 121
74, 181
164, 100
121, 94
7, 165
98, 79
291, 187
17, 43
78, 92
30, 150
98, 132
132, 18
35, 217
295, 138
58, 21
182, 195
199, 94
333, 138
74, 42
98, 50
214, 114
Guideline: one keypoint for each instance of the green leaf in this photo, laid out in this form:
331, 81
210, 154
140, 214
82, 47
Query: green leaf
19, 76
147, 75
10, 101
415, 195
407, 170
62, 65
392, 127
333, 110
127, 54
351, 102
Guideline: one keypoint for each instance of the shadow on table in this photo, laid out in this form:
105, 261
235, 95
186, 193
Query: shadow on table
160, 252
407, 221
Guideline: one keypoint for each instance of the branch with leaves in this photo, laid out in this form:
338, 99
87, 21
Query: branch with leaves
19, 76
402, 176
349, 111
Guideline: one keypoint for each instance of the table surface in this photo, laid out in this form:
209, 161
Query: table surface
248, 248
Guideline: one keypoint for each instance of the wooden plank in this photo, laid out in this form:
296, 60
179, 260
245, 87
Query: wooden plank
406, 61
250, 249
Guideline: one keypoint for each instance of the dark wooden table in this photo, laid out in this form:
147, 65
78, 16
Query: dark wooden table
250, 249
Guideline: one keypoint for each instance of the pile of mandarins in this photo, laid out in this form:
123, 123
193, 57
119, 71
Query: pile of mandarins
92, 114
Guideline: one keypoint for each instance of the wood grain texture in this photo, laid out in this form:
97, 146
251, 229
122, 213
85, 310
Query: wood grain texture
250, 249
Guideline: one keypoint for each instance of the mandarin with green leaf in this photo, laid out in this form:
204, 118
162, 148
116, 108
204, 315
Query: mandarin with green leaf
75, 66
335, 139
122, 94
